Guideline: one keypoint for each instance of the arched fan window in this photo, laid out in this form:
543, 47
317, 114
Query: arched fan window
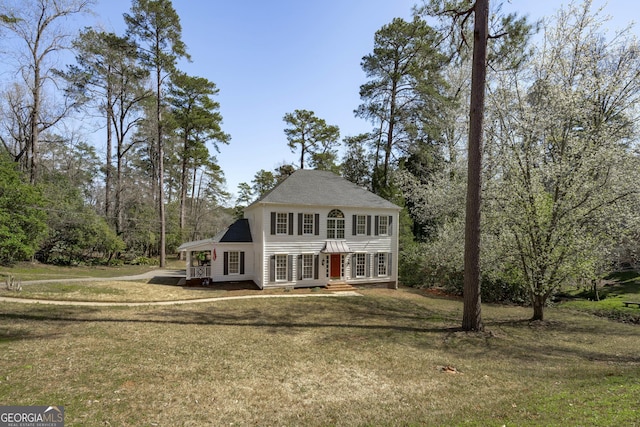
335, 225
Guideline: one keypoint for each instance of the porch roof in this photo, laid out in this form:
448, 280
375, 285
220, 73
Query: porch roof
336, 247
197, 245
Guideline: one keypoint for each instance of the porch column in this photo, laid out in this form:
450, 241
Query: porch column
188, 265
213, 261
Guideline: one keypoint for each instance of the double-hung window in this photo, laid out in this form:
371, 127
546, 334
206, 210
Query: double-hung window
233, 262
361, 263
281, 268
383, 225
361, 225
282, 225
307, 224
307, 266
382, 264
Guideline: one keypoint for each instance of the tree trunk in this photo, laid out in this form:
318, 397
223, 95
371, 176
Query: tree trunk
453, 156
107, 176
375, 187
33, 125
119, 216
538, 307
160, 150
472, 316
390, 131
194, 179
183, 187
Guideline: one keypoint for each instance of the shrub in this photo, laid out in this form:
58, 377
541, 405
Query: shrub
141, 260
22, 219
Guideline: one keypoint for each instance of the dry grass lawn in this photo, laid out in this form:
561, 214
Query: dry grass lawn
150, 290
111, 291
36, 271
377, 360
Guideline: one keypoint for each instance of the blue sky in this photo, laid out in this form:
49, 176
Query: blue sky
270, 57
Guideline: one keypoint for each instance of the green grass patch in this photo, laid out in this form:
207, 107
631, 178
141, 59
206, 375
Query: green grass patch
609, 302
600, 399
378, 359
37, 271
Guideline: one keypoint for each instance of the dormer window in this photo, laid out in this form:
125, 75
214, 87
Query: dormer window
335, 225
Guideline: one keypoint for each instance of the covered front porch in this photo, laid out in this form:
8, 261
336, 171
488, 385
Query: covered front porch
199, 257
226, 257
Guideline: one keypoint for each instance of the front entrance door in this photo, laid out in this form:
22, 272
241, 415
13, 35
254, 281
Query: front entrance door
336, 267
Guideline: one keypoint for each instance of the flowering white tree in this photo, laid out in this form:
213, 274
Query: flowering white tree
559, 144
560, 165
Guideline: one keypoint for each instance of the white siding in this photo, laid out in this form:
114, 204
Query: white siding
217, 273
256, 224
294, 244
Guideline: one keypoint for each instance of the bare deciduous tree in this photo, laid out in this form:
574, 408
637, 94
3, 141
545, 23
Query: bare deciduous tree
36, 31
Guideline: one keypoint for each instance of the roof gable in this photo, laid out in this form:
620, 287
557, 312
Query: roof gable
314, 187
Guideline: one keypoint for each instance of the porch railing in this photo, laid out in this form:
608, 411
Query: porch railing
199, 272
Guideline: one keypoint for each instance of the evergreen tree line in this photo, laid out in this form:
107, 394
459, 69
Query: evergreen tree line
156, 185
559, 176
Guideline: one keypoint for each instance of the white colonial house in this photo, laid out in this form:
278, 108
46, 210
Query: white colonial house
312, 229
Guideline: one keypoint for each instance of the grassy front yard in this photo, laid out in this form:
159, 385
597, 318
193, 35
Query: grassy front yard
36, 271
110, 291
121, 291
379, 359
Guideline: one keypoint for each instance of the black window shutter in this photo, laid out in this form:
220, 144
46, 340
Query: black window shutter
291, 223
299, 224
353, 266
389, 264
273, 223
367, 265
376, 225
241, 262
390, 227
272, 268
315, 266
355, 220
317, 224
299, 267
226, 263
290, 268
368, 225
375, 265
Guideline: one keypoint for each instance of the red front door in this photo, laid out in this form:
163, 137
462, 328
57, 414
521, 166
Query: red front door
336, 266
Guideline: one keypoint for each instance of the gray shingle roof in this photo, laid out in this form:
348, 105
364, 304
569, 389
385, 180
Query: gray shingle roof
313, 187
237, 232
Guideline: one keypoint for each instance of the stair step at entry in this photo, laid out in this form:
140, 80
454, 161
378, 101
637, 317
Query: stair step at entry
339, 287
